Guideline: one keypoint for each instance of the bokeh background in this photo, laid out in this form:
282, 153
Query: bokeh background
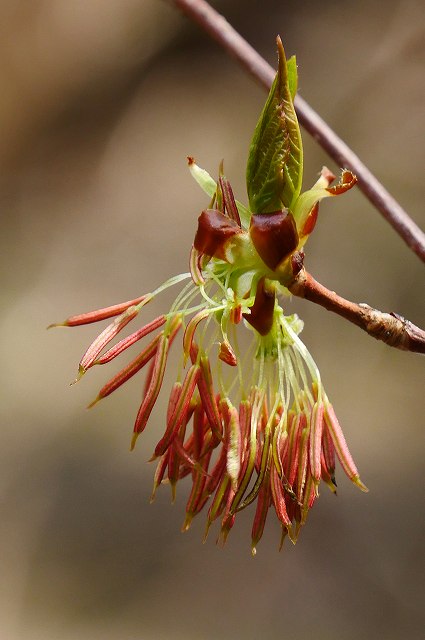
101, 102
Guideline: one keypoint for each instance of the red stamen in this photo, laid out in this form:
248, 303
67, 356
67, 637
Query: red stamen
236, 314
227, 355
195, 501
181, 409
264, 452
173, 331
220, 499
251, 448
263, 504
206, 392
303, 463
195, 266
278, 495
191, 328
128, 372
124, 344
326, 476
100, 314
233, 441
199, 426
159, 474
316, 421
328, 449
217, 472
105, 337
298, 425
153, 390
341, 447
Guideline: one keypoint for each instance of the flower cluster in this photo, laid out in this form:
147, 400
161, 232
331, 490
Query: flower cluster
247, 421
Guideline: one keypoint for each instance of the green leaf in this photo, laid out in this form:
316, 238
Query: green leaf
291, 65
203, 178
274, 170
321, 189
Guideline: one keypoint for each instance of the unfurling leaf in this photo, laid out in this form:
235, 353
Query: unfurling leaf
274, 170
292, 72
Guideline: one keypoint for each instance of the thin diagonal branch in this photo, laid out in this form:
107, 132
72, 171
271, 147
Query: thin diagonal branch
220, 30
389, 327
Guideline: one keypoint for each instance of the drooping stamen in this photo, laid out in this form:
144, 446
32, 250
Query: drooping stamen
218, 502
263, 504
173, 328
105, 337
191, 329
125, 343
326, 476
264, 464
99, 314
195, 502
328, 450
174, 458
181, 409
153, 390
250, 456
341, 447
233, 441
236, 314
159, 474
316, 430
226, 354
216, 473
226, 525
299, 424
183, 452
302, 463
280, 450
128, 372
308, 498
196, 263
199, 427
278, 495
206, 392
244, 424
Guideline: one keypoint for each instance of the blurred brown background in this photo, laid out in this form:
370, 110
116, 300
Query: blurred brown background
101, 102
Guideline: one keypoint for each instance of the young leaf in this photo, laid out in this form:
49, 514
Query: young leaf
291, 66
306, 204
202, 177
274, 170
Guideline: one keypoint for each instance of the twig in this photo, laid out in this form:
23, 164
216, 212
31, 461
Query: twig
220, 30
388, 327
